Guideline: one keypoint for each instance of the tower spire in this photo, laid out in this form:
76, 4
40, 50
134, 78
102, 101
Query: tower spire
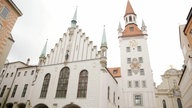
144, 27
129, 9
74, 20
104, 40
43, 53
119, 29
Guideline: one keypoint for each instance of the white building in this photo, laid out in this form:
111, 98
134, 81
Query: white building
168, 94
75, 75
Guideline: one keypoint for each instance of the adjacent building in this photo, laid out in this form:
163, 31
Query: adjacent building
168, 94
185, 82
8, 16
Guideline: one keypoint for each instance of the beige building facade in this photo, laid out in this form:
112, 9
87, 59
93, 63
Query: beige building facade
185, 82
168, 94
8, 16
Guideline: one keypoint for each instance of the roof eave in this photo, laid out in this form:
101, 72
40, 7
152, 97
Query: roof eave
15, 7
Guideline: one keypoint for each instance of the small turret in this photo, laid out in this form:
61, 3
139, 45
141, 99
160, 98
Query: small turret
119, 29
104, 49
42, 57
144, 28
74, 20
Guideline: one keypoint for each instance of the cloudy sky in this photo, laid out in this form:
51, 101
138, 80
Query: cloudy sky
49, 19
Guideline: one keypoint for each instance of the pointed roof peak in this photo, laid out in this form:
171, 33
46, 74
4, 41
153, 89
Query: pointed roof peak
143, 23
104, 40
129, 9
75, 15
43, 53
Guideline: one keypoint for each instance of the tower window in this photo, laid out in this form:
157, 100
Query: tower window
128, 49
129, 72
136, 83
140, 60
129, 84
126, 19
139, 48
128, 60
142, 72
130, 19
143, 84
138, 100
131, 29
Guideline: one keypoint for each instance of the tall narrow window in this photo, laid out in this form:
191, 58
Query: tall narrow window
63, 83
25, 73
164, 104
108, 93
143, 84
24, 90
114, 97
136, 83
82, 86
45, 85
130, 19
3, 90
179, 103
14, 91
129, 84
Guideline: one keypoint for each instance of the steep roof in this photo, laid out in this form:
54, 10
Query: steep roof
132, 30
129, 9
115, 71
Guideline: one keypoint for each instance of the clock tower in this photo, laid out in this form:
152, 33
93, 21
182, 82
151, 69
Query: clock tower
137, 78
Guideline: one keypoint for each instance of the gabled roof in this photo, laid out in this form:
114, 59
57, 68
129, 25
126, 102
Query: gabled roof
129, 9
132, 30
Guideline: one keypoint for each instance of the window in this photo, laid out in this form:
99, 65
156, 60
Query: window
143, 84
24, 90
3, 90
164, 104
140, 60
138, 100
63, 82
14, 91
7, 74
4, 12
128, 49
45, 85
114, 97
179, 103
18, 74
126, 19
142, 72
129, 84
25, 73
129, 72
108, 93
32, 72
139, 48
136, 83
131, 29
128, 60
11, 74
82, 86
130, 19
115, 71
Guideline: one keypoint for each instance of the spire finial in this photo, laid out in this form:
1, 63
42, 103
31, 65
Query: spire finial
119, 28
143, 23
43, 53
74, 20
104, 41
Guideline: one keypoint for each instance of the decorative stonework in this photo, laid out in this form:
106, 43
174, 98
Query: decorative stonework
135, 65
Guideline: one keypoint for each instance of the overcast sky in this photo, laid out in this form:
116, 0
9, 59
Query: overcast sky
49, 19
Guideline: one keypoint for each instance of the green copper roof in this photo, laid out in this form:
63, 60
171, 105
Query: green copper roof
43, 53
104, 40
74, 20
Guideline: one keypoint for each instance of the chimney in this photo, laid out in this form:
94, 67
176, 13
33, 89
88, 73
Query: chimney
28, 60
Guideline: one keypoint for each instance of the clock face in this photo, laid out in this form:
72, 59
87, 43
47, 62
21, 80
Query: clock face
133, 43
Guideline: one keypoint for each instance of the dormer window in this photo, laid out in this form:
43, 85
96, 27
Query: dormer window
131, 29
114, 71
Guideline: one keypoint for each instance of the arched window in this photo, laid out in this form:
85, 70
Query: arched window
179, 103
130, 19
82, 86
63, 82
164, 104
45, 85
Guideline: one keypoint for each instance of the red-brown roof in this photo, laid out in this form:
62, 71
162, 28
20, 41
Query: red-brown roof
132, 30
115, 71
129, 9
